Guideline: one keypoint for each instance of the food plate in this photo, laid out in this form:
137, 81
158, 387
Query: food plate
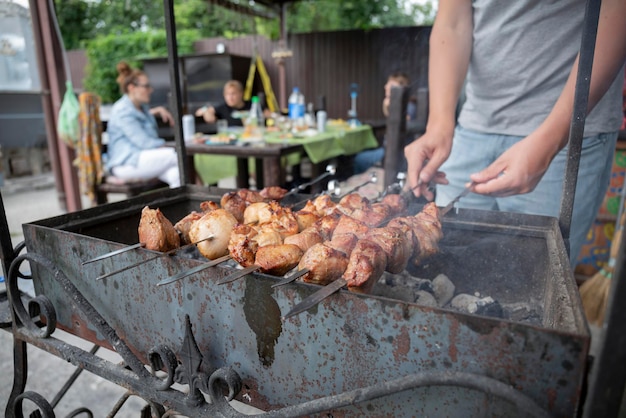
219, 139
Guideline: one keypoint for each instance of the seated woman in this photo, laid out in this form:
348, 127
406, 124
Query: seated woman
233, 103
135, 151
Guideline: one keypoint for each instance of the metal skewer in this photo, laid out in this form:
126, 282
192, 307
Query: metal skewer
330, 171
147, 260
450, 205
239, 274
291, 278
372, 180
194, 270
316, 298
331, 190
115, 252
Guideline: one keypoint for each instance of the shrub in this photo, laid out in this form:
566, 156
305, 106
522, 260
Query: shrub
104, 52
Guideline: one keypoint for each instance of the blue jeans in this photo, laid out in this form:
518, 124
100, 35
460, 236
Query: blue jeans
473, 151
366, 159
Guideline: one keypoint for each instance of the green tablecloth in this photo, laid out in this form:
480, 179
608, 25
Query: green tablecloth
321, 147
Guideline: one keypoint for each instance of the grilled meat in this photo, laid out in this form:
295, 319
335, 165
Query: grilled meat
343, 242
278, 259
273, 193
241, 246
395, 244
208, 206
216, 225
396, 203
305, 239
156, 231
366, 264
305, 219
348, 224
235, 204
184, 225
325, 264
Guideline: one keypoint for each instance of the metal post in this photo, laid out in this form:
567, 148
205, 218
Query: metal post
579, 114
176, 97
50, 53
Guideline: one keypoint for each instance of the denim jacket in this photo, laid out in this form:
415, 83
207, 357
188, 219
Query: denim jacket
130, 131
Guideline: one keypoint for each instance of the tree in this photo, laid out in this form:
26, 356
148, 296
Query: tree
83, 20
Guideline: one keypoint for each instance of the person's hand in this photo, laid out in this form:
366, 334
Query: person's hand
164, 114
518, 170
424, 157
386, 106
207, 113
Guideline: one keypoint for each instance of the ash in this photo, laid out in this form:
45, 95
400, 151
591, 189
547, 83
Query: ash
441, 292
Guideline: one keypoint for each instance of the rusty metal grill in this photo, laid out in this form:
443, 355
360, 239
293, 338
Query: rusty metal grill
401, 358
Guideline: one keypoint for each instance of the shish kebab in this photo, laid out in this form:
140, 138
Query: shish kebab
260, 225
426, 230
157, 233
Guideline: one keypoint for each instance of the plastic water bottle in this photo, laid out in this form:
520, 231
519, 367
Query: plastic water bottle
296, 106
256, 114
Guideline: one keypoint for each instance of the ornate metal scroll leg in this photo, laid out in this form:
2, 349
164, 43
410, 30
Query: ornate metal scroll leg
20, 373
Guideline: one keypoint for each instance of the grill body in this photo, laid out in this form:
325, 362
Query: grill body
348, 341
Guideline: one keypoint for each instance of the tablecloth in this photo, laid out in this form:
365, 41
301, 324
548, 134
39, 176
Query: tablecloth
335, 142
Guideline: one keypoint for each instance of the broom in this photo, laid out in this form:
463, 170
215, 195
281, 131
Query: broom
594, 292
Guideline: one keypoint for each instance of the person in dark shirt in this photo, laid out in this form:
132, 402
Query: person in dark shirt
230, 109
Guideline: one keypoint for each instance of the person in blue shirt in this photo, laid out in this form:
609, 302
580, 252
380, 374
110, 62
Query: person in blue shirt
135, 151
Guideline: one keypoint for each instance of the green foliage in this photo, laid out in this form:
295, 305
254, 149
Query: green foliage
74, 14
324, 15
115, 30
104, 52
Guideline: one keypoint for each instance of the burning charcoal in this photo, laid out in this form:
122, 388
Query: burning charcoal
424, 298
443, 289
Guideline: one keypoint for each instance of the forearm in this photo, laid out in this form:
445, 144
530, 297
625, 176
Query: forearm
450, 50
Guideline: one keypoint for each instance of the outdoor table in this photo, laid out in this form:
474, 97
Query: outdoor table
275, 152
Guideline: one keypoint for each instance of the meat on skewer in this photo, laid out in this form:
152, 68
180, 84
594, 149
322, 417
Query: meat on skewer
324, 264
278, 259
305, 239
366, 265
305, 219
156, 231
217, 224
395, 245
344, 242
273, 193
396, 203
235, 204
348, 224
184, 225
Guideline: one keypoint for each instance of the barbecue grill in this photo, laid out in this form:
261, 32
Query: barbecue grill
351, 355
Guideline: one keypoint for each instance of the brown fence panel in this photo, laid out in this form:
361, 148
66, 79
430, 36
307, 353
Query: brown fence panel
327, 63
